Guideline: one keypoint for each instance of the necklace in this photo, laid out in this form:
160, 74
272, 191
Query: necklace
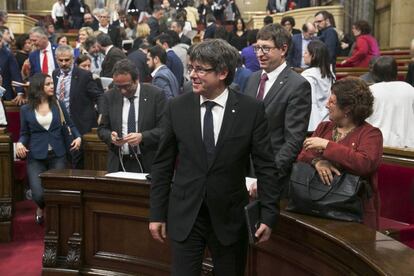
337, 136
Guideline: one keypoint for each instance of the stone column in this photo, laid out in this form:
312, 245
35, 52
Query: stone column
402, 22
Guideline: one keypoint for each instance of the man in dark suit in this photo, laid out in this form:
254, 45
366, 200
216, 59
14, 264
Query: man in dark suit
77, 89
139, 58
148, 109
178, 26
43, 58
76, 9
154, 22
211, 26
212, 131
299, 45
112, 54
286, 96
113, 31
90, 21
328, 34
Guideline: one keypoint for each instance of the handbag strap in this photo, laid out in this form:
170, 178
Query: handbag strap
62, 116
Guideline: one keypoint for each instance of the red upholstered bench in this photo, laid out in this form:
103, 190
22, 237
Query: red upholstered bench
396, 188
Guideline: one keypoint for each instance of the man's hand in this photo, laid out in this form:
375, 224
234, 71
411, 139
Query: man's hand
263, 233
158, 231
19, 100
133, 138
116, 140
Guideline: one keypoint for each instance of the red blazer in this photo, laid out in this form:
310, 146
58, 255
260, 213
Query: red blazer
359, 153
366, 47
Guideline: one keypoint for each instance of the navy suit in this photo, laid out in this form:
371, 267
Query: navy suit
35, 64
210, 31
294, 57
84, 93
176, 66
167, 82
36, 138
9, 72
330, 38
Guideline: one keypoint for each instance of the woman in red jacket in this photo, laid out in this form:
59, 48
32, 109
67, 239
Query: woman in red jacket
347, 142
366, 46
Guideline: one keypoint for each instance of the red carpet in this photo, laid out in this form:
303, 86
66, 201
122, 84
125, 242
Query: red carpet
23, 256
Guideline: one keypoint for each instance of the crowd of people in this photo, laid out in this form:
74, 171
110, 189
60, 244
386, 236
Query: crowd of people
156, 97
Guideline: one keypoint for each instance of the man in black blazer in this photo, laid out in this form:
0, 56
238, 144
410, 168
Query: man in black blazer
112, 54
106, 28
149, 105
286, 96
77, 89
212, 132
178, 26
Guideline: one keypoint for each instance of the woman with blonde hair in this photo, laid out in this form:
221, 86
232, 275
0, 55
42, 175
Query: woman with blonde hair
83, 34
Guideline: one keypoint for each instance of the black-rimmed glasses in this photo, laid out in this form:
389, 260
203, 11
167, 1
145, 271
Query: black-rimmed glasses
199, 70
264, 49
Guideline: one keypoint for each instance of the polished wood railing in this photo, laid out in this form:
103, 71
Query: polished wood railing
98, 225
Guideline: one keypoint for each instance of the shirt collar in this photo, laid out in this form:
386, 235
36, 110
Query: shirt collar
220, 100
108, 49
156, 70
275, 73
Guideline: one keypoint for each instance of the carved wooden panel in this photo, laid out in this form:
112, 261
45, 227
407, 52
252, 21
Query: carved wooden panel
6, 186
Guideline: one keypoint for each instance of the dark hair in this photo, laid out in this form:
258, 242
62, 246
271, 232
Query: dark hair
385, 69
210, 18
353, 93
36, 90
320, 58
251, 36
235, 24
277, 34
3, 29
217, 53
289, 19
104, 40
82, 58
175, 39
180, 23
59, 38
158, 51
327, 15
124, 67
267, 20
164, 38
156, 8
21, 40
221, 32
89, 42
363, 26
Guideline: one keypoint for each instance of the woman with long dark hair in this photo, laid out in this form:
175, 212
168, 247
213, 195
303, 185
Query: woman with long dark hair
238, 38
320, 77
41, 139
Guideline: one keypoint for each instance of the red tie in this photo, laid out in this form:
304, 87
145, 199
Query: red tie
262, 84
45, 65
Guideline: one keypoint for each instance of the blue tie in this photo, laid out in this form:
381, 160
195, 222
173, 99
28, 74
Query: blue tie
208, 132
132, 126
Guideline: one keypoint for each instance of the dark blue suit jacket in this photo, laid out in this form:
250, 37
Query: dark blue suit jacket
9, 72
295, 52
176, 66
36, 138
167, 82
34, 59
84, 93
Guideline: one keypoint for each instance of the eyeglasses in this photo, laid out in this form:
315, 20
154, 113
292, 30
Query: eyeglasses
319, 21
123, 86
264, 49
199, 70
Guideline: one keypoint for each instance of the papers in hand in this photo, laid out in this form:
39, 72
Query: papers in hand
249, 182
106, 82
128, 175
20, 84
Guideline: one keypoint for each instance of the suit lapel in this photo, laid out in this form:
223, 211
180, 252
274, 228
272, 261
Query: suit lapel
143, 98
196, 128
252, 90
118, 105
277, 85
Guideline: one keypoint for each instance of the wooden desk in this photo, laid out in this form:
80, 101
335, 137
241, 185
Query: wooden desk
6, 186
97, 225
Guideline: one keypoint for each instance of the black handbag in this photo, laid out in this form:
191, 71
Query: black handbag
66, 132
308, 195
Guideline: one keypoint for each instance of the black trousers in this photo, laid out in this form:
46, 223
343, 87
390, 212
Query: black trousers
131, 164
187, 256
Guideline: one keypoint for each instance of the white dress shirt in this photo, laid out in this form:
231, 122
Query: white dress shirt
272, 76
50, 59
125, 111
217, 111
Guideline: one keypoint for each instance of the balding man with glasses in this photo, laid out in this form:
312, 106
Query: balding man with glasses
286, 96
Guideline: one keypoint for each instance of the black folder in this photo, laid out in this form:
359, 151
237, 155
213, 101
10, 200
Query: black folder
252, 213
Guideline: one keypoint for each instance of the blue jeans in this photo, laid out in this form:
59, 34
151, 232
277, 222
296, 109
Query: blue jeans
36, 167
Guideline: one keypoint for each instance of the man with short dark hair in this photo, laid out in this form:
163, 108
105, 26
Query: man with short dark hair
393, 104
153, 22
327, 34
162, 77
173, 61
212, 131
178, 26
130, 123
94, 52
112, 54
286, 96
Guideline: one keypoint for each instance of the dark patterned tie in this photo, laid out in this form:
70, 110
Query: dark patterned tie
132, 126
263, 79
208, 132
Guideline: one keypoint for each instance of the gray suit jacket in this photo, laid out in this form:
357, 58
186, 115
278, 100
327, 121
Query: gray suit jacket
288, 107
151, 108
